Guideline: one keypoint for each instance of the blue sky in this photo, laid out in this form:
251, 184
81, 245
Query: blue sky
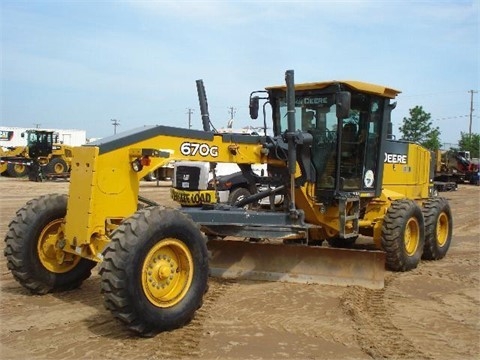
79, 64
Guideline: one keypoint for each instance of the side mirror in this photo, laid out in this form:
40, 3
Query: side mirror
22, 134
254, 105
343, 101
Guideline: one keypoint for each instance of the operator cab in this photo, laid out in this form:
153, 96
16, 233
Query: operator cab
39, 142
345, 155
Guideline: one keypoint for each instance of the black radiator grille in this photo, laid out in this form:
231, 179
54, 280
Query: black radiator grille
187, 177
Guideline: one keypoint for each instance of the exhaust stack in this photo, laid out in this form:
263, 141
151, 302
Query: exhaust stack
202, 99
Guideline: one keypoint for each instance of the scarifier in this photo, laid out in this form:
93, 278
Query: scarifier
342, 179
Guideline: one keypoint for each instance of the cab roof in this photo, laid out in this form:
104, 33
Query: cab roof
357, 85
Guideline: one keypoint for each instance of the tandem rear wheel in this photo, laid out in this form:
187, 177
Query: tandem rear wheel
411, 233
403, 235
438, 228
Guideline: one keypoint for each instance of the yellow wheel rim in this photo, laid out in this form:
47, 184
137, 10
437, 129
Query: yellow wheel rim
58, 168
19, 169
442, 228
52, 257
412, 236
167, 272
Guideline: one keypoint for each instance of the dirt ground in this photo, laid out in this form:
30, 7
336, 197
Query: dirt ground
432, 312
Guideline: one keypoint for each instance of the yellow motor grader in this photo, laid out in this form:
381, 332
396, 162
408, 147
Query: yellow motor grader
329, 157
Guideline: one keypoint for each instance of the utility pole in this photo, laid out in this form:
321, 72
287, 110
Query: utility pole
471, 111
115, 123
189, 112
232, 112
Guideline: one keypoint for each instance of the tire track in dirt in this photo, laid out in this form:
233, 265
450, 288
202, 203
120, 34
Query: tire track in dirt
177, 344
435, 313
91, 329
376, 334
277, 320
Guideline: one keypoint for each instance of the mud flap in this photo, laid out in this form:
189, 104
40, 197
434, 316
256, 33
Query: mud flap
296, 263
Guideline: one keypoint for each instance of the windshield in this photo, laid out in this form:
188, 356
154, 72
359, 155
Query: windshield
354, 166
39, 137
311, 112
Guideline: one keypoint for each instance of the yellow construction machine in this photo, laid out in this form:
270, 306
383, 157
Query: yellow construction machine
43, 156
339, 175
8, 164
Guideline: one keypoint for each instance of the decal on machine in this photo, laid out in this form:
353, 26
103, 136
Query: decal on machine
395, 158
6, 135
191, 197
189, 148
369, 178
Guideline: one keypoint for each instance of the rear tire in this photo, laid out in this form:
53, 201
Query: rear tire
155, 271
403, 235
438, 228
32, 251
56, 166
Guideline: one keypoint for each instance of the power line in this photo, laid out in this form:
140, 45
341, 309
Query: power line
453, 117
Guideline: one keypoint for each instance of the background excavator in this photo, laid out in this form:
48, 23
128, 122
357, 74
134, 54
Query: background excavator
337, 184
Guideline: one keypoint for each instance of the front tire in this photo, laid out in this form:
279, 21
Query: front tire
403, 235
17, 170
237, 195
155, 271
438, 228
32, 248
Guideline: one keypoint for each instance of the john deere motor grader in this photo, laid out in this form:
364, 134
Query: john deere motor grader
155, 261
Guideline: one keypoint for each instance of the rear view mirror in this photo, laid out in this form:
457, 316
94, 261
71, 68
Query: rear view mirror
343, 100
254, 105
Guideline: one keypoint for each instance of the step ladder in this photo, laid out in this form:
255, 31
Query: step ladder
349, 212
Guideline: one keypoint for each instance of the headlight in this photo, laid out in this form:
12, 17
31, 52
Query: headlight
137, 165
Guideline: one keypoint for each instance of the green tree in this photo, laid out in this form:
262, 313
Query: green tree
470, 143
418, 128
